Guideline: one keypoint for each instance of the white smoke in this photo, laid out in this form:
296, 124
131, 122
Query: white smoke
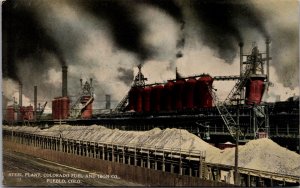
278, 90
11, 93
161, 32
90, 52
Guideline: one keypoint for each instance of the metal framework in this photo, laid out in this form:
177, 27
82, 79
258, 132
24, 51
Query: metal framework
226, 116
40, 113
139, 81
254, 65
86, 90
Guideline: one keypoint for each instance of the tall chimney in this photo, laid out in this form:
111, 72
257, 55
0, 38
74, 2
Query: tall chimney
242, 90
241, 44
268, 57
107, 99
35, 103
19, 114
64, 81
20, 94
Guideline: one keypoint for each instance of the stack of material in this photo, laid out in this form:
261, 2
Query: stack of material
262, 154
265, 155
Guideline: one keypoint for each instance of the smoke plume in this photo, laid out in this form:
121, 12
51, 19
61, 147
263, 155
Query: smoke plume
106, 39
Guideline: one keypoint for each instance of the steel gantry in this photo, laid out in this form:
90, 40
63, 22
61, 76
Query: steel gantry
139, 81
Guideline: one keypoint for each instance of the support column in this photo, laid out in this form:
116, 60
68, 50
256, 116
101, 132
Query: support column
107, 151
112, 154
41, 142
51, 144
124, 158
148, 160
129, 162
196, 173
180, 166
60, 144
135, 158
103, 154
74, 148
248, 180
86, 150
47, 143
163, 163
142, 162
200, 167
271, 181
80, 149
118, 155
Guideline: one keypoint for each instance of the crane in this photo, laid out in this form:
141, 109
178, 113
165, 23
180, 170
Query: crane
41, 111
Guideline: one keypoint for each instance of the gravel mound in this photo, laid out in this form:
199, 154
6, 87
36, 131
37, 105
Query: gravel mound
261, 154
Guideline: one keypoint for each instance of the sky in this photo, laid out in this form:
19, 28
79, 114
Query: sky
106, 39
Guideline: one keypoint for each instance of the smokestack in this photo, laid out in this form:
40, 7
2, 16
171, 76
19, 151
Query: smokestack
19, 114
107, 99
91, 81
241, 44
242, 91
20, 94
268, 57
35, 103
64, 81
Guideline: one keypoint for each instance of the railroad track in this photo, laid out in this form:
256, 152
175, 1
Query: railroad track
15, 162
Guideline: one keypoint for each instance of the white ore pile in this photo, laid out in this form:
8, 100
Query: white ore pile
261, 154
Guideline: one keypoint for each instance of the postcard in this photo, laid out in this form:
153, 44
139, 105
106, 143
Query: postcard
150, 93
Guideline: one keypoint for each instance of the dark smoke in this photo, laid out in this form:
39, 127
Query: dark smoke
35, 39
127, 32
24, 37
222, 22
126, 75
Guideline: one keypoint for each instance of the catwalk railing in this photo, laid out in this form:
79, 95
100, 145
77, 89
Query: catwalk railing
182, 162
185, 163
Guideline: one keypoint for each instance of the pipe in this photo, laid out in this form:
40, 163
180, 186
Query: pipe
107, 97
20, 94
19, 114
268, 41
35, 103
242, 92
64, 81
241, 44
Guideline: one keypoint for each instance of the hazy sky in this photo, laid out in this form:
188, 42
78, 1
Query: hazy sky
106, 40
